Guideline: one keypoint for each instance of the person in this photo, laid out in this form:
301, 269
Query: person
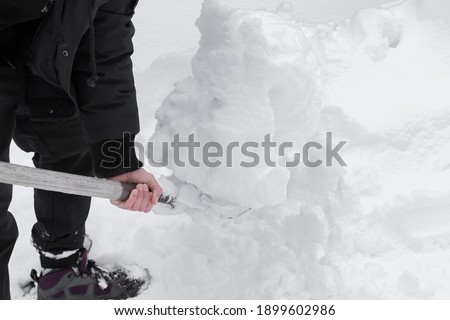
67, 94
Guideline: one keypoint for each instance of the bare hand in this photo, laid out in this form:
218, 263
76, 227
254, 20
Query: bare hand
146, 194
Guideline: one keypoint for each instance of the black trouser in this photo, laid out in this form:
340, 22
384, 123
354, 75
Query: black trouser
9, 95
57, 146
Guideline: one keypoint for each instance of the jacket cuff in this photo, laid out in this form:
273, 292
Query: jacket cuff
114, 157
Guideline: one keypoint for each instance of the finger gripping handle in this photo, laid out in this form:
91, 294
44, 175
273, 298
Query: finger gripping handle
126, 191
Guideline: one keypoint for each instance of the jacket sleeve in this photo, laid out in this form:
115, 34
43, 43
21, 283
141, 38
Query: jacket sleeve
109, 110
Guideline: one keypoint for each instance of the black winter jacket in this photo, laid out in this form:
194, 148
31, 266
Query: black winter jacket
80, 63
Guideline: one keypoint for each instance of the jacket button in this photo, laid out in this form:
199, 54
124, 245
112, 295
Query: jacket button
50, 110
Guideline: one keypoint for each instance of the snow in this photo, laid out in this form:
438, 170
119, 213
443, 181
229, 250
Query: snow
61, 256
252, 75
373, 73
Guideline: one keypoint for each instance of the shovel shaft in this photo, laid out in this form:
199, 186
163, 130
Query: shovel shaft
64, 182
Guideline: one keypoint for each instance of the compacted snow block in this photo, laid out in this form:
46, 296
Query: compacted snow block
254, 74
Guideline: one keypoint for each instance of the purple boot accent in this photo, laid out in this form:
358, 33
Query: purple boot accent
50, 280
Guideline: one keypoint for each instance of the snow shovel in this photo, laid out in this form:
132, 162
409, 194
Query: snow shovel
68, 183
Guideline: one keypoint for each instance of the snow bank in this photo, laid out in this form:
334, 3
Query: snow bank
259, 72
339, 233
254, 74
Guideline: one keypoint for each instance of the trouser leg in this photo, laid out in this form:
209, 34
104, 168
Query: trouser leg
9, 97
8, 237
59, 232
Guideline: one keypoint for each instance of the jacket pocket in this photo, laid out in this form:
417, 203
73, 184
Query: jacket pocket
47, 102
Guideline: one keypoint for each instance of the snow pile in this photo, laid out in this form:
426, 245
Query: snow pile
340, 233
253, 75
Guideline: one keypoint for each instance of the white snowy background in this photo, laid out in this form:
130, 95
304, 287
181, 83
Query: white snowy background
375, 73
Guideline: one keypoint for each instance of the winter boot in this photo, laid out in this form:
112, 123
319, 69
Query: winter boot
87, 281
